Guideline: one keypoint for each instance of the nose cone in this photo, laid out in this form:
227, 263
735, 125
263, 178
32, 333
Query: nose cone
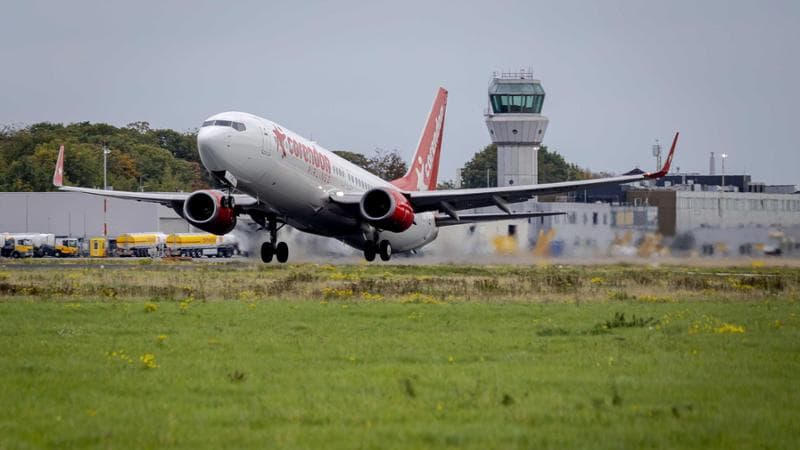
212, 144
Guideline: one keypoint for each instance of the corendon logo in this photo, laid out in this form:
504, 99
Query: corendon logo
424, 168
301, 151
280, 138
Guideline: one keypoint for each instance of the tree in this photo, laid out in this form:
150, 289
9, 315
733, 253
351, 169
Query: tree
445, 185
481, 170
387, 165
140, 126
554, 168
181, 145
354, 157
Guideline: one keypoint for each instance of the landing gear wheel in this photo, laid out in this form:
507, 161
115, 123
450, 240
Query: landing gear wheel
266, 252
385, 249
282, 252
369, 252
228, 201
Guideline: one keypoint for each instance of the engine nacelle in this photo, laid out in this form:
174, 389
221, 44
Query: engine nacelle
204, 210
387, 209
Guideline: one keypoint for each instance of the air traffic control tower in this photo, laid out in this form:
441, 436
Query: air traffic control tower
516, 125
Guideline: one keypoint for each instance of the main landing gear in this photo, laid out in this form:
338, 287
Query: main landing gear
269, 249
374, 248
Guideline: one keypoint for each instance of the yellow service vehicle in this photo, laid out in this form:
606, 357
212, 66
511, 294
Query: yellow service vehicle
197, 245
141, 244
67, 247
97, 247
17, 248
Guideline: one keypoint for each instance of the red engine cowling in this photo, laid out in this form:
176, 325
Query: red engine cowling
204, 210
387, 209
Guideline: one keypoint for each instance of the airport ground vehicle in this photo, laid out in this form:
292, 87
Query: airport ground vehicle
66, 247
48, 244
201, 244
14, 247
43, 243
100, 247
141, 244
97, 247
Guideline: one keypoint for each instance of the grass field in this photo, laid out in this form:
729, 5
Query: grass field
306, 356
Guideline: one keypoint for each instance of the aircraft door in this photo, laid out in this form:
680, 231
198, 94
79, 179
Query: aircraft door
265, 142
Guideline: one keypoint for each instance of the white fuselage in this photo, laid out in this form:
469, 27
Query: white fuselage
295, 177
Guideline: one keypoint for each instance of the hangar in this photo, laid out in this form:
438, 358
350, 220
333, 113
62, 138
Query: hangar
79, 215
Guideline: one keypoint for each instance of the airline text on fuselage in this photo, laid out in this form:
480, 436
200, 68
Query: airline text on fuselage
301, 151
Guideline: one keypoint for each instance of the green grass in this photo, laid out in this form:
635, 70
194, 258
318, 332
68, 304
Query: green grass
601, 365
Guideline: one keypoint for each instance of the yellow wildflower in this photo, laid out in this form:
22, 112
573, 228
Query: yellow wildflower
148, 360
729, 328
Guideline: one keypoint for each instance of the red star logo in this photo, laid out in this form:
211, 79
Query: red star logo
280, 138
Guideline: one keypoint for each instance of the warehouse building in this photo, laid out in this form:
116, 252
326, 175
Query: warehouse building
81, 215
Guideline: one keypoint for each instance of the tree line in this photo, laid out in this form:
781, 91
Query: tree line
139, 158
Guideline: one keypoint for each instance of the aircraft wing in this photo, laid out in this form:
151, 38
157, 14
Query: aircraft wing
445, 220
170, 199
450, 201
164, 198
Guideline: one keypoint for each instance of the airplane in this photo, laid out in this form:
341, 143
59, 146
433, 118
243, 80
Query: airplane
279, 178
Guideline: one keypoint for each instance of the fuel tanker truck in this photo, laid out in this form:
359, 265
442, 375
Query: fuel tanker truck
197, 245
141, 244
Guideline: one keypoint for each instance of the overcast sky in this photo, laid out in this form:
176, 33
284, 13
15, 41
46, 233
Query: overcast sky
361, 75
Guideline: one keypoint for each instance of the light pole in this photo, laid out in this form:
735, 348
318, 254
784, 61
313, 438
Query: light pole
724, 157
106, 151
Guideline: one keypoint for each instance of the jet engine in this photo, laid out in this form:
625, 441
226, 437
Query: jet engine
387, 209
204, 210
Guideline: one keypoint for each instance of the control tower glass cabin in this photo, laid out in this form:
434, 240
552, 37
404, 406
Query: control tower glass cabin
516, 126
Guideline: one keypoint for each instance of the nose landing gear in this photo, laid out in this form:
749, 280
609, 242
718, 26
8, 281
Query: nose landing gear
280, 250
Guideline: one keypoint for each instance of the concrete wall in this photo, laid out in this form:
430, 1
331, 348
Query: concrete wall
517, 165
74, 214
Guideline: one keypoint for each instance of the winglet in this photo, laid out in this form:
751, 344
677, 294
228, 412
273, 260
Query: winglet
664, 170
58, 175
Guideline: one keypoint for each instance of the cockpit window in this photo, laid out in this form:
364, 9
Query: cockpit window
238, 126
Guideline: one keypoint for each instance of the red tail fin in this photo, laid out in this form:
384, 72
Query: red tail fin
58, 175
424, 169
